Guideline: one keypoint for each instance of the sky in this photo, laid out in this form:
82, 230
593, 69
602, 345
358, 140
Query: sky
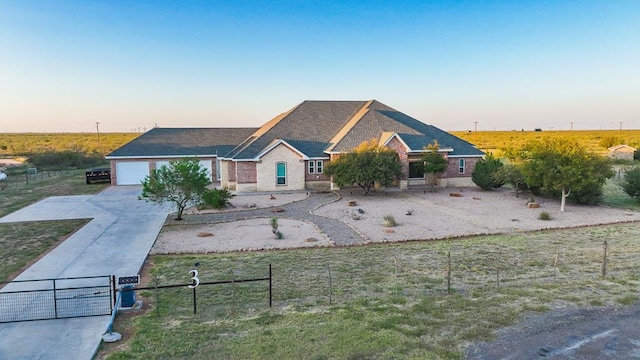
458, 65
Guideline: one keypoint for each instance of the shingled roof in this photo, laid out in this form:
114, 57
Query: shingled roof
317, 128
167, 142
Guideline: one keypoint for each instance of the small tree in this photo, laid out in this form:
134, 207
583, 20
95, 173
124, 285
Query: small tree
484, 173
631, 183
180, 183
434, 163
512, 175
562, 167
365, 166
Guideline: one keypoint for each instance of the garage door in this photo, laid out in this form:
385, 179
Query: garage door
206, 164
131, 172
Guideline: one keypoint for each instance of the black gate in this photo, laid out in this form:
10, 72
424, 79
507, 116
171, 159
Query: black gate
44, 299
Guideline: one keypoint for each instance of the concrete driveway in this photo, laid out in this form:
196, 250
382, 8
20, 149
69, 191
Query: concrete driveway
115, 242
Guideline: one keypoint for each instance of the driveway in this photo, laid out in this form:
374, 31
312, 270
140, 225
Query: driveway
115, 242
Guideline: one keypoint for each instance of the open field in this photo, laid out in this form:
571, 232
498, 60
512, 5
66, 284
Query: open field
596, 140
379, 301
17, 144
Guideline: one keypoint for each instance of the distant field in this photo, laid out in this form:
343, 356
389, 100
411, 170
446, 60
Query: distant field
19, 144
596, 140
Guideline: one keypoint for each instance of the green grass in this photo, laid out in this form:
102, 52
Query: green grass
385, 301
20, 194
614, 196
21, 243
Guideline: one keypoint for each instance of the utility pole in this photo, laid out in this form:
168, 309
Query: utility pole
620, 125
571, 126
475, 126
98, 131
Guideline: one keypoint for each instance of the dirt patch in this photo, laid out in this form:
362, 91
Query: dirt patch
241, 235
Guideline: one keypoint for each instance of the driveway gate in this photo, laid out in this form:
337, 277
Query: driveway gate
27, 300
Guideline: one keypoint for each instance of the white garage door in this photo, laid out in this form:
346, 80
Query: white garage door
131, 172
206, 164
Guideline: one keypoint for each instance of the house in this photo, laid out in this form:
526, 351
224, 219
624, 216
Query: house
624, 152
291, 151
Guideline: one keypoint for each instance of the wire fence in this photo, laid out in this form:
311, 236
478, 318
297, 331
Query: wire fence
410, 276
20, 181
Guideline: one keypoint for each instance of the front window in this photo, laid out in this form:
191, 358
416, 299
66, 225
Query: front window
281, 173
315, 167
461, 166
416, 170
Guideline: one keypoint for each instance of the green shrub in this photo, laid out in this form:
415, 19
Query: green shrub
544, 216
631, 183
484, 174
63, 160
216, 198
389, 221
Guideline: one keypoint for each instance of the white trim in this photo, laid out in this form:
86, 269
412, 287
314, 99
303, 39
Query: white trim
273, 146
465, 156
285, 173
399, 138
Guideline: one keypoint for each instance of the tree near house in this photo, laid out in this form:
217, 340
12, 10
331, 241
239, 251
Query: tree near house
181, 183
512, 175
631, 183
434, 163
563, 167
484, 173
365, 166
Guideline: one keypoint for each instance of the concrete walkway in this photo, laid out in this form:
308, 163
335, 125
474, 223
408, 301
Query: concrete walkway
115, 242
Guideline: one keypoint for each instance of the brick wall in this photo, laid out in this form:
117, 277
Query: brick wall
246, 172
396, 145
266, 170
452, 167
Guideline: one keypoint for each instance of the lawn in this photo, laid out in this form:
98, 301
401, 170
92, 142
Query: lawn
377, 302
22, 243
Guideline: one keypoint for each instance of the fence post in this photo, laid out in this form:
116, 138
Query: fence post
555, 263
449, 272
270, 287
113, 290
605, 247
194, 302
330, 285
55, 299
155, 278
498, 269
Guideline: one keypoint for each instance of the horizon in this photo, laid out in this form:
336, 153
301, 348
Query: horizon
116, 67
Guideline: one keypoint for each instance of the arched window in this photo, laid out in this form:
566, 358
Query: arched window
281, 173
461, 166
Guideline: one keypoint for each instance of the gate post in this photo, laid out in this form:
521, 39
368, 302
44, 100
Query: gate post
55, 299
113, 291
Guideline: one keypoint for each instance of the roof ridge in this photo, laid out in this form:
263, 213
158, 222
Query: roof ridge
349, 125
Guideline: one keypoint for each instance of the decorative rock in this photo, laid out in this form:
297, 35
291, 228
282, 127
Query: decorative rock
277, 210
204, 234
455, 194
311, 240
533, 205
389, 231
351, 203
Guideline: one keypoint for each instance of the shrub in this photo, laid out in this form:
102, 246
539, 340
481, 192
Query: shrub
63, 160
544, 216
216, 198
631, 183
389, 221
484, 174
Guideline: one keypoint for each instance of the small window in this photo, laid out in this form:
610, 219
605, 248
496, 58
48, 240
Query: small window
416, 170
461, 166
281, 173
315, 167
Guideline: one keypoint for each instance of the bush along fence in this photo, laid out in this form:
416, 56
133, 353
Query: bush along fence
411, 274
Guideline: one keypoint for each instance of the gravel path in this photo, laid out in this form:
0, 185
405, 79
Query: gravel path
337, 231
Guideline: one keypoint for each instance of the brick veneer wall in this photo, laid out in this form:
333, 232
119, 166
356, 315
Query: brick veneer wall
452, 167
246, 172
396, 145
266, 170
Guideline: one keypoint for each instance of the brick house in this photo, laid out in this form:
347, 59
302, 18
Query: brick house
291, 151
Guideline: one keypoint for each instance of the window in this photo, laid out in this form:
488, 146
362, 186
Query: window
281, 173
315, 167
416, 170
461, 166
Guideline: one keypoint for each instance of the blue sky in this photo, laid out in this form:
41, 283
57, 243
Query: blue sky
65, 65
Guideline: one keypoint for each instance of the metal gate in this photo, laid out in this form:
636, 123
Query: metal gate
44, 299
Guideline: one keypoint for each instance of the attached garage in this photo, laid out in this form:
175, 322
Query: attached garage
131, 172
